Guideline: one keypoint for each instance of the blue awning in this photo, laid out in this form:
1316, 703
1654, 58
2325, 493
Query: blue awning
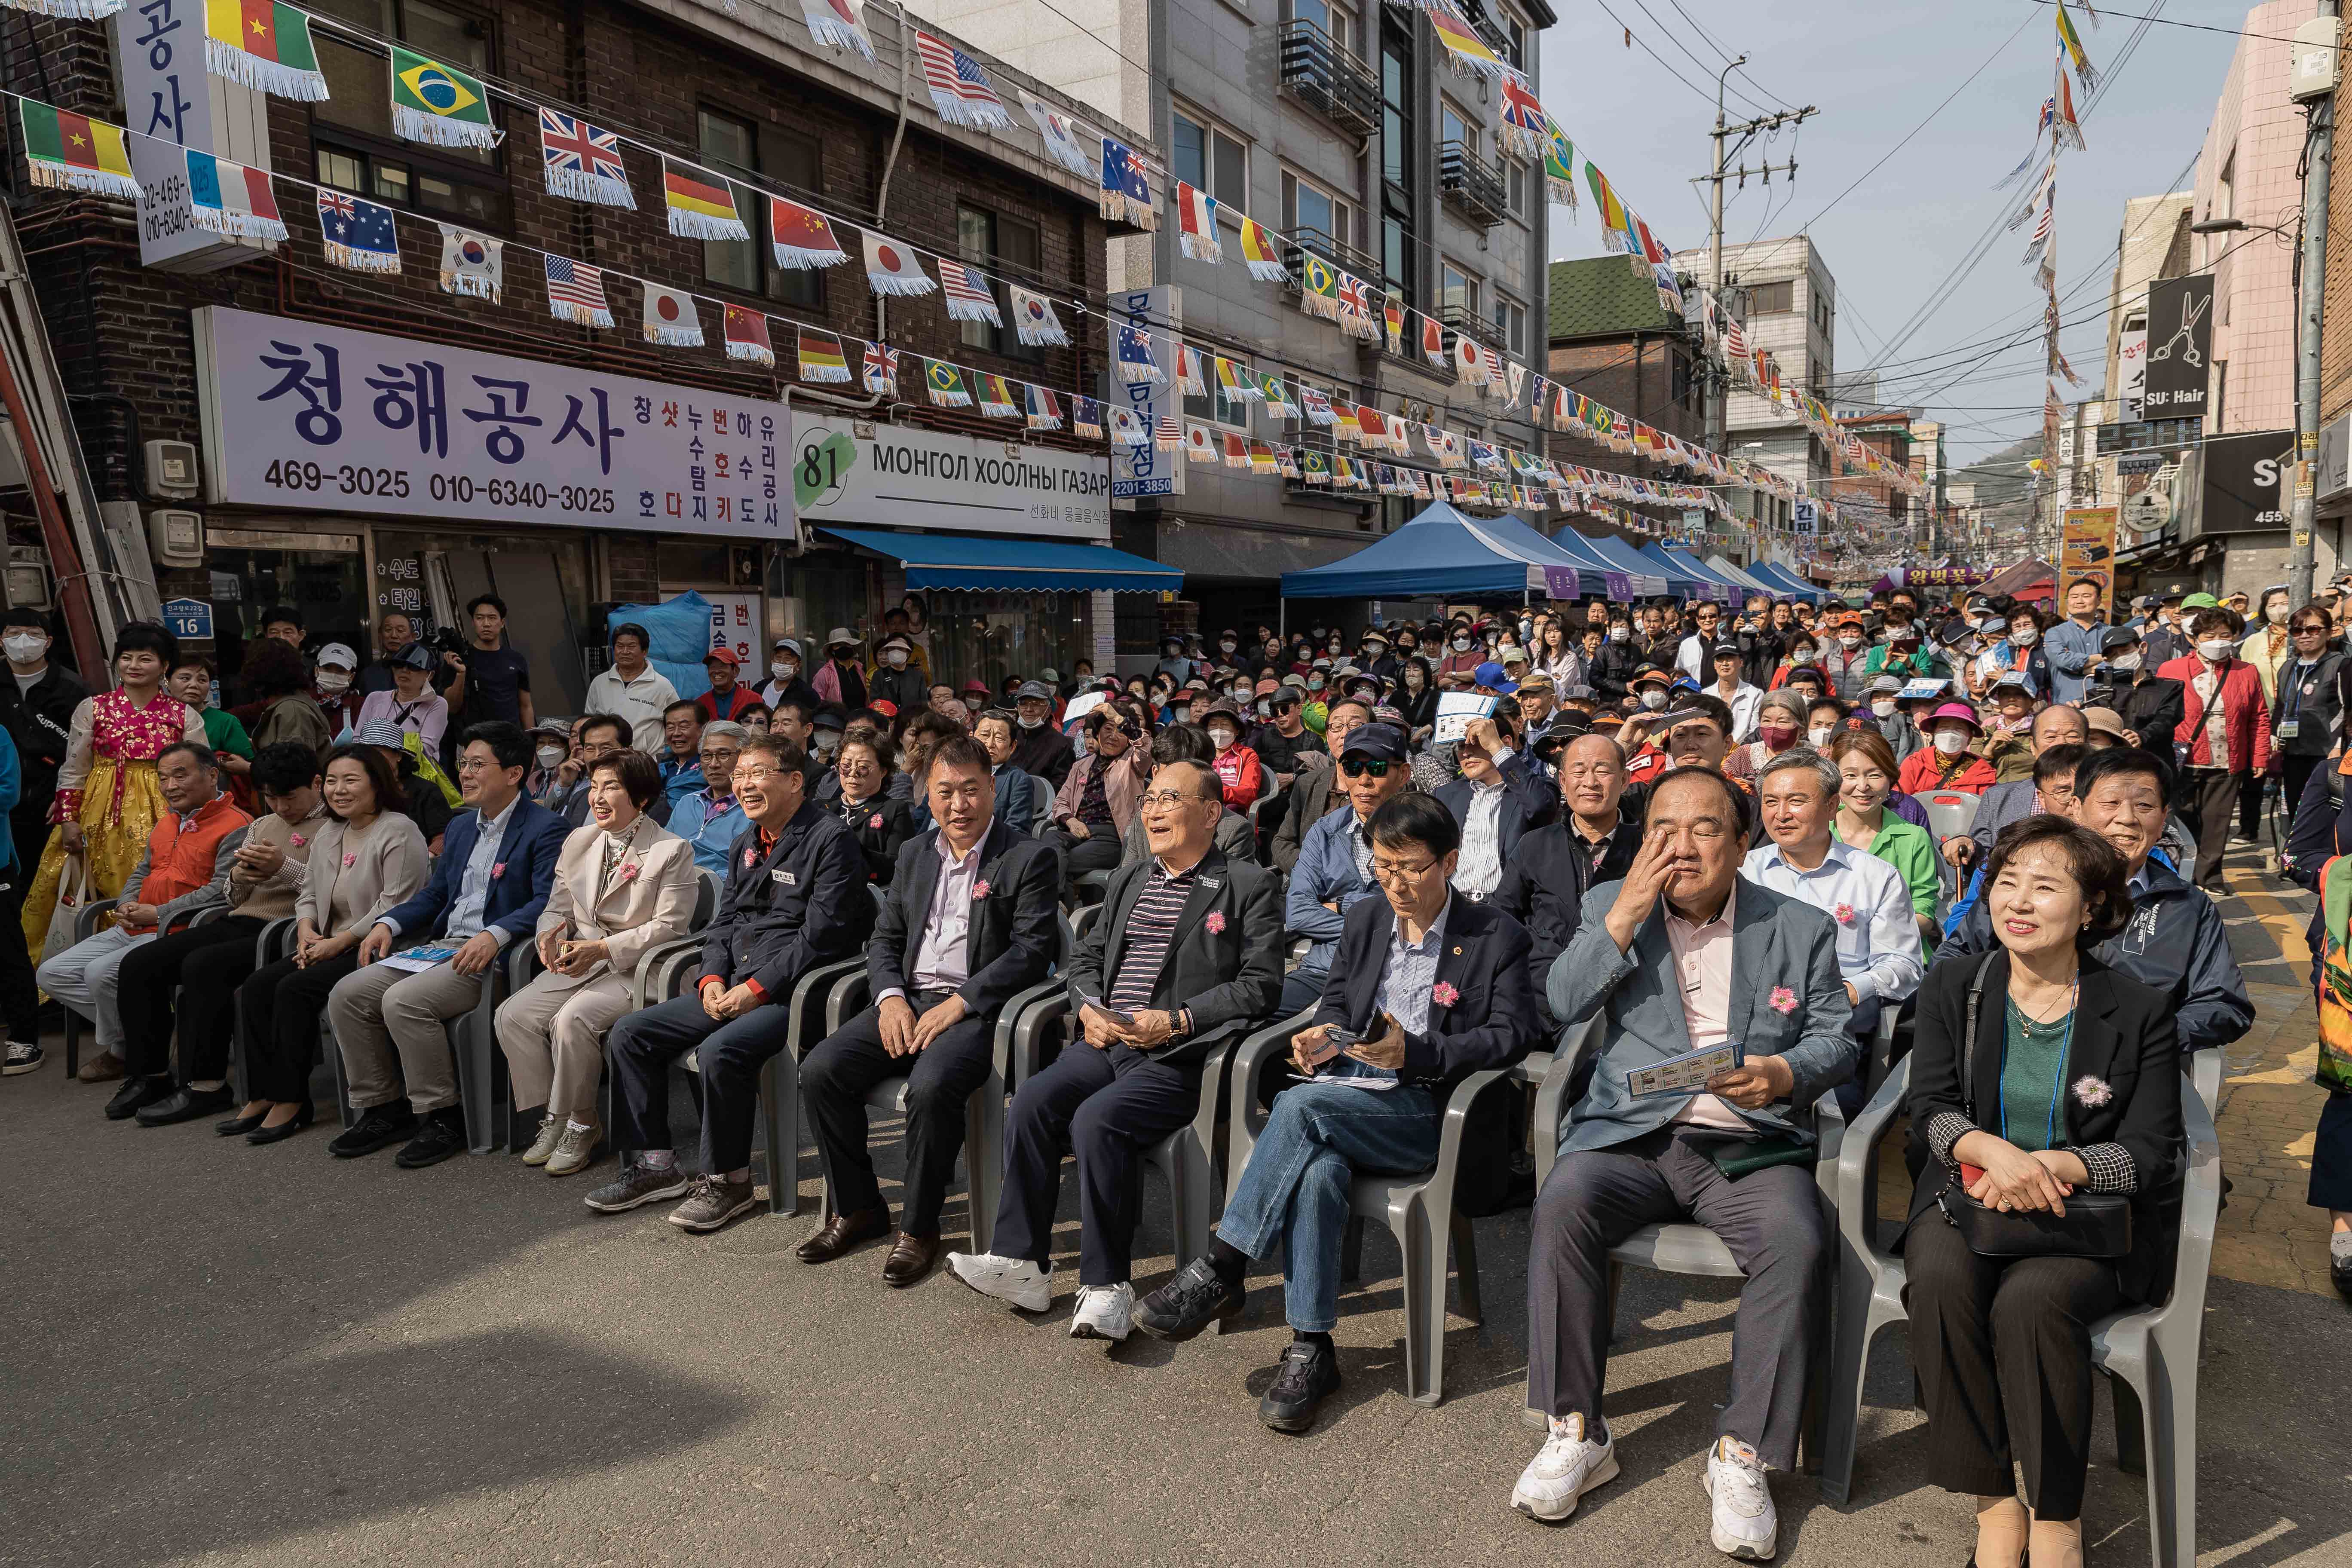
1440, 554
980, 564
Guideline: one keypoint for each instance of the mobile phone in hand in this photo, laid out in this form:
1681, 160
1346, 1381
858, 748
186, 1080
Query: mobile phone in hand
1335, 1040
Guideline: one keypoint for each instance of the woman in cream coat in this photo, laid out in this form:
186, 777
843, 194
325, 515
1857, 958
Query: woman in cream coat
623, 886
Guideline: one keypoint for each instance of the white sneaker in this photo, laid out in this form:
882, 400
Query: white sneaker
1013, 1280
1105, 1312
1745, 1525
1569, 1466
23, 1055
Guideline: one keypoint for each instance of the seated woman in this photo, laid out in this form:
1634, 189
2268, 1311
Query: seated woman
369, 857
879, 821
1866, 820
623, 885
2073, 1085
1096, 805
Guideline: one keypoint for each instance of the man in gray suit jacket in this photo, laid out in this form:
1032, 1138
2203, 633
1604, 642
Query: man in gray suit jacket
1684, 954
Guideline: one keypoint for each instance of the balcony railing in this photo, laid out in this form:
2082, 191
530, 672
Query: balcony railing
1473, 185
1328, 76
1337, 252
1463, 322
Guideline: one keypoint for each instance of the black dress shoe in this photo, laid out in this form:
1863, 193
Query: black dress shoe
284, 1130
442, 1135
380, 1127
185, 1105
238, 1126
1308, 1373
1189, 1302
910, 1259
135, 1093
841, 1233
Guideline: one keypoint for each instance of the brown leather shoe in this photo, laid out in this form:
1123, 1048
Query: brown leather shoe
910, 1259
104, 1067
844, 1231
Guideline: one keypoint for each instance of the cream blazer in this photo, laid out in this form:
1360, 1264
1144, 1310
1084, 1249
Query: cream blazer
647, 900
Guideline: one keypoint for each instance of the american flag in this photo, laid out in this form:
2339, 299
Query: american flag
960, 89
575, 292
582, 162
968, 298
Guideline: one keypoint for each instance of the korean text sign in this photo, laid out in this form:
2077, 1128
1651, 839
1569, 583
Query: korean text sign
327, 418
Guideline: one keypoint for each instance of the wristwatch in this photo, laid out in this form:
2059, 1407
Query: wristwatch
1180, 1023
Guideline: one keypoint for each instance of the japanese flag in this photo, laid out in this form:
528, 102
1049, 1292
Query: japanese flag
670, 317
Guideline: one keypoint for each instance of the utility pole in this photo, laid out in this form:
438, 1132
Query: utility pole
2300, 563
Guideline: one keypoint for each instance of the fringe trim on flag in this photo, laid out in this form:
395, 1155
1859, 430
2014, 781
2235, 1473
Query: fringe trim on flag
702, 226
1200, 246
889, 283
941, 397
801, 259
1188, 373
439, 131
1132, 373
262, 226
1118, 206
753, 352
351, 261
578, 315
1358, 324
971, 116
1520, 142
1560, 190
970, 310
233, 64
995, 410
79, 10
673, 337
599, 190
97, 182
832, 372
1166, 435
1038, 334
1269, 271
472, 285
1321, 305
836, 34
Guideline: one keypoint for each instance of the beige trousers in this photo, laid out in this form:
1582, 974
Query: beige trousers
388, 1025
553, 1037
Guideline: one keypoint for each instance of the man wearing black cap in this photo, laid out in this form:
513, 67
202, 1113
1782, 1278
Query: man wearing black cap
2166, 639
1334, 870
1042, 750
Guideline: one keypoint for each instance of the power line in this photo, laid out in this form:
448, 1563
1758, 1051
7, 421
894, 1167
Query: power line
1662, 62
2194, 27
1710, 40
1643, 7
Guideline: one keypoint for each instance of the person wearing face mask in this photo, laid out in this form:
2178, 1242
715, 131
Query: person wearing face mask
1464, 651
1904, 654
1888, 720
1846, 658
412, 704
1230, 652
1650, 687
2019, 653
841, 679
785, 676
1373, 657
1239, 773
547, 782
1611, 662
1825, 720
2307, 716
894, 679
1317, 700
1946, 762
1416, 696
36, 705
331, 684
2224, 734
2150, 704
2267, 645
1779, 724
1042, 750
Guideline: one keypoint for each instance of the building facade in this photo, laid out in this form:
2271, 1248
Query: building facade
739, 89
1613, 341
1782, 291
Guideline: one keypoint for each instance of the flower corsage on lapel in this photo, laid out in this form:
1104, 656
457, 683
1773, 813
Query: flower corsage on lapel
1783, 1000
1215, 922
628, 873
1844, 913
1443, 993
979, 891
497, 870
297, 840
2093, 1093
350, 860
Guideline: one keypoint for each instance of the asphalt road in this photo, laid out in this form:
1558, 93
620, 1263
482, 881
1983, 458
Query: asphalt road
270, 1355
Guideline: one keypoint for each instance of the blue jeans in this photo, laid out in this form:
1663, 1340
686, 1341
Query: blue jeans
1295, 1187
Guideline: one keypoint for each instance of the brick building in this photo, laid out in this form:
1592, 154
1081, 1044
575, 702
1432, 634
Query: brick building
1613, 341
738, 88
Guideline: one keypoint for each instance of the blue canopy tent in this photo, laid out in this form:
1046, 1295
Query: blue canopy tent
1739, 577
1441, 553
1712, 584
1642, 574
1785, 584
1564, 551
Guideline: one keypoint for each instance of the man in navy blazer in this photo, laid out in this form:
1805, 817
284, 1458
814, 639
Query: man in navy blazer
497, 865
1431, 987
796, 897
1685, 954
1496, 801
969, 921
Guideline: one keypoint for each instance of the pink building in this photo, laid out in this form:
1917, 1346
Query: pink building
2247, 171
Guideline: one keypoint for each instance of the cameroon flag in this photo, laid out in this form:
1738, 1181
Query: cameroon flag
263, 44
68, 153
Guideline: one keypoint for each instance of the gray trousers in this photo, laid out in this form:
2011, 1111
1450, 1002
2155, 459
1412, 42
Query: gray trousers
388, 1025
82, 977
1772, 1222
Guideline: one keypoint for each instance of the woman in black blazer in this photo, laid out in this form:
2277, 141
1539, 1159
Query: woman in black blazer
879, 821
2077, 1087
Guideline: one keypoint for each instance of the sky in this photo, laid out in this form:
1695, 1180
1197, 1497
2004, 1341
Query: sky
1876, 69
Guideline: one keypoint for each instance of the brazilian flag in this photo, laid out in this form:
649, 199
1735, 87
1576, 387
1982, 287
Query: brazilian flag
438, 105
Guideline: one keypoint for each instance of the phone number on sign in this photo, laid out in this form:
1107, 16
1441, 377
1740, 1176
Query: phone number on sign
461, 488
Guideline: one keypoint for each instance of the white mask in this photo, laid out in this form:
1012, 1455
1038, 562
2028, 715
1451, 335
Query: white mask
2275, 613
1461, 645
2126, 663
2025, 636
894, 657
332, 682
551, 757
827, 742
2216, 649
1851, 640
1619, 632
1221, 737
1820, 734
1225, 646
25, 647
1026, 722
1653, 699
784, 670
1883, 706
1952, 742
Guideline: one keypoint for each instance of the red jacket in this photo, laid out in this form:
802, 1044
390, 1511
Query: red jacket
739, 697
1239, 770
1923, 773
2245, 716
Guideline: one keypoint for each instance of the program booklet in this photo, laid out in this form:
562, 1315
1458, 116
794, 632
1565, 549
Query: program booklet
1685, 1074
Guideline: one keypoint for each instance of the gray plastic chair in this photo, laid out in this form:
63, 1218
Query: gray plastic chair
1418, 1209
1685, 1249
85, 927
2150, 1355
1041, 806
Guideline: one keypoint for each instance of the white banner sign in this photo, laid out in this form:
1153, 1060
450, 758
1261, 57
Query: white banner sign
1148, 470
857, 473
328, 419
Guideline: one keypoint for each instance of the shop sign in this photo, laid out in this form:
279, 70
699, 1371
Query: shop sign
2242, 473
297, 414
191, 618
2086, 551
1148, 469
855, 473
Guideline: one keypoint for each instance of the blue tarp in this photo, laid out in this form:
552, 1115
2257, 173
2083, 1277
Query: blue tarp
1620, 556
1784, 583
986, 564
680, 630
1684, 561
1438, 554
1745, 580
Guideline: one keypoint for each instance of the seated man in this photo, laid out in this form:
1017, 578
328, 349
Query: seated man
261, 875
709, 818
1187, 948
680, 756
1434, 987
496, 864
601, 734
1334, 872
2176, 941
1187, 743
1320, 790
1017, 805
1546, 879
1495, 802
797, 899
1877, 934
184, 870
1684, 954
2056, 725
969, 922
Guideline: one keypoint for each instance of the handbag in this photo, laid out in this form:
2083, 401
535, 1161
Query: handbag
2095, 1224
73, 891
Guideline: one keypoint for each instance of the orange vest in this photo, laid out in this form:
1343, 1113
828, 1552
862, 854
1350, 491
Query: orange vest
181, 850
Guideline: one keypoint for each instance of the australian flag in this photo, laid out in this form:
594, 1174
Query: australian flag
359, 236
1126, 195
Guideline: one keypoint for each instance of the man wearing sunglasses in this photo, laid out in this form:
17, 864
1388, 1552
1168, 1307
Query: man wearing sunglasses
1334, 871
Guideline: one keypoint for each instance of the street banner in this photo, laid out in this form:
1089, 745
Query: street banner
2242, 493
2179, 347
2086, 549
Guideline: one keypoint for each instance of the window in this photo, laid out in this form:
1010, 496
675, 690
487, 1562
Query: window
734, 147
1517, 33
1457, 292
354, 144
1453, 125
993, 243
1217, 406
1396, 255
1310, 207
1336, 21
1209, 159
1515, 182
1511, 321
1770, 298
1396, 110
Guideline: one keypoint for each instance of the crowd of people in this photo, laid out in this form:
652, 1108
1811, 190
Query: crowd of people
1705, 826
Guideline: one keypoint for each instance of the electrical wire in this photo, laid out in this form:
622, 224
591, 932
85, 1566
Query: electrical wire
1664, 63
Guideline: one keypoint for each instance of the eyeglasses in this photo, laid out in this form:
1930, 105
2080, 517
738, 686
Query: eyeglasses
1357, 767
1167, 800
1387, 870
756, 774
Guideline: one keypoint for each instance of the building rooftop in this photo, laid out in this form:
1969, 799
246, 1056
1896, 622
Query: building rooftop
1602, 296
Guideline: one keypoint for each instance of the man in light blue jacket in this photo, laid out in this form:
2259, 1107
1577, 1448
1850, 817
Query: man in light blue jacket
2076, 646
1682, 955
1334, 860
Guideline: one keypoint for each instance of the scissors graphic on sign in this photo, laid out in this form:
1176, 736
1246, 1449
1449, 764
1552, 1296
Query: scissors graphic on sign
2192, 313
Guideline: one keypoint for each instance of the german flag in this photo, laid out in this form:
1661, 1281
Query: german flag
702, 203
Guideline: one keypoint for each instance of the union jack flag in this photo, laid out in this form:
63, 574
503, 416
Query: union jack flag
882, 369
960, 89
582, 162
